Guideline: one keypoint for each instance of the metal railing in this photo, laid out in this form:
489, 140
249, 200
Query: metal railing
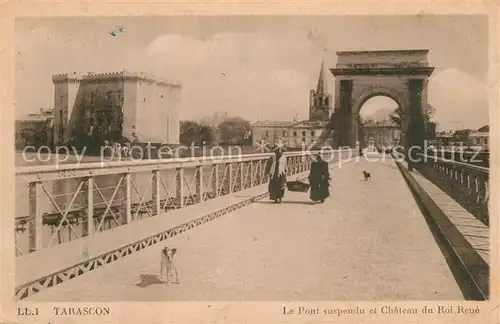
466, 183
58, 204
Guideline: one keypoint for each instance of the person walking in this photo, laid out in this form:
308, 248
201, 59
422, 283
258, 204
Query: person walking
276, 169
318, 179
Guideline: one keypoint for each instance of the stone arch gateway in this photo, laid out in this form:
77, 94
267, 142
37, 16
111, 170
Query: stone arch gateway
401, 75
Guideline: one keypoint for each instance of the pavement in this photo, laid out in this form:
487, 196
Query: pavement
368, 241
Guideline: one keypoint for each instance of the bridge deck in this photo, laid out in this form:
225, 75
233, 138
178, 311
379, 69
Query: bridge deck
368, 241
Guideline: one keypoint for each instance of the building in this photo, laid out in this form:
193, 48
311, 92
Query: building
383, 133
480, 138
320, 103
444, 138
295, 134
137, 105
34, 129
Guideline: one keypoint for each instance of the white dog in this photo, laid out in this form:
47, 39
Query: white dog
168, 267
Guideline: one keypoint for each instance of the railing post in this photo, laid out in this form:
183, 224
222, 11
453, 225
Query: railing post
242, 175
155, 193
36, 218
128, 198
179, 180
263, 175
216, 179
199, 184
251, 170
90, 206
231, 178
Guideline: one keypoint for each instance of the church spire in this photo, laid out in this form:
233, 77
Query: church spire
321, 90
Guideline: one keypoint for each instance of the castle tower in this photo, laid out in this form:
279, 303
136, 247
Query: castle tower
320, 102
148, 109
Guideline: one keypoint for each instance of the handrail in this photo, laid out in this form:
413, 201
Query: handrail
463, 164
466, 183
174, 162
134, 190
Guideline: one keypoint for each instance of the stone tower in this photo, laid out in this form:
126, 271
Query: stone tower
320, 101
150, 107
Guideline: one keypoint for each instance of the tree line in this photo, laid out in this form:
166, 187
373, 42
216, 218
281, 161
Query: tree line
216, 130
98, 126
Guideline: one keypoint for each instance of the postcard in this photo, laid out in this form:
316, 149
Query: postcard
248, 162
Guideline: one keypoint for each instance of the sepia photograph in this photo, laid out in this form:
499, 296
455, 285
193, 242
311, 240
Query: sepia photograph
252, 158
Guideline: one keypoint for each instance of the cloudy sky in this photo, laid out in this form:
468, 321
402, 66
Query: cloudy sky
255, 67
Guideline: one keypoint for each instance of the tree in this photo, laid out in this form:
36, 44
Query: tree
427, 113
235, 130
192, 132
213, 122
461, 135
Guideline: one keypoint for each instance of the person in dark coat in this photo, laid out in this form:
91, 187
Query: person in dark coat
276, 169
318, 179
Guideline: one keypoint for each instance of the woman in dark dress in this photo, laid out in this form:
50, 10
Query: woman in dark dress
276, 169
318, 179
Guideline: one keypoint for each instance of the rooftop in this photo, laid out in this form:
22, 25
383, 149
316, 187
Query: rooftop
306, 123
34, 118
124, 74
485, 128
479, 134
380, 123
386, 51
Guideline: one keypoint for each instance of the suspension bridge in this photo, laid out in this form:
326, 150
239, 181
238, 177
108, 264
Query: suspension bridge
93, 232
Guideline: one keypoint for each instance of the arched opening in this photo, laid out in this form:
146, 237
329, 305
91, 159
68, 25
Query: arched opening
379, 123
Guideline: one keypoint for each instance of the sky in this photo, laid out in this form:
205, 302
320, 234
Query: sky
256, 67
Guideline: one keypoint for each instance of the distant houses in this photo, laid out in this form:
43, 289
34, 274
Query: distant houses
476, 139
35, 129
381, 133
480, 137
292, 134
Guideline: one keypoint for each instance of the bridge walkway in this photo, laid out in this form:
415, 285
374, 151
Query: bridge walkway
368, 241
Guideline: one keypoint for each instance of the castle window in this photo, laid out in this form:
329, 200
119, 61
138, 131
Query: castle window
327, 101
267, 132
144, 99
161, 96
284, 133
294, 134
303, 133
312, 133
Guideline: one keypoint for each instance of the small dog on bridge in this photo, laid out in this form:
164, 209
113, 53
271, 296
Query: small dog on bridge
367, 176
168, 267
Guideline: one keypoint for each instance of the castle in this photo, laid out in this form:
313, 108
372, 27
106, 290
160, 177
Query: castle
139, 106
